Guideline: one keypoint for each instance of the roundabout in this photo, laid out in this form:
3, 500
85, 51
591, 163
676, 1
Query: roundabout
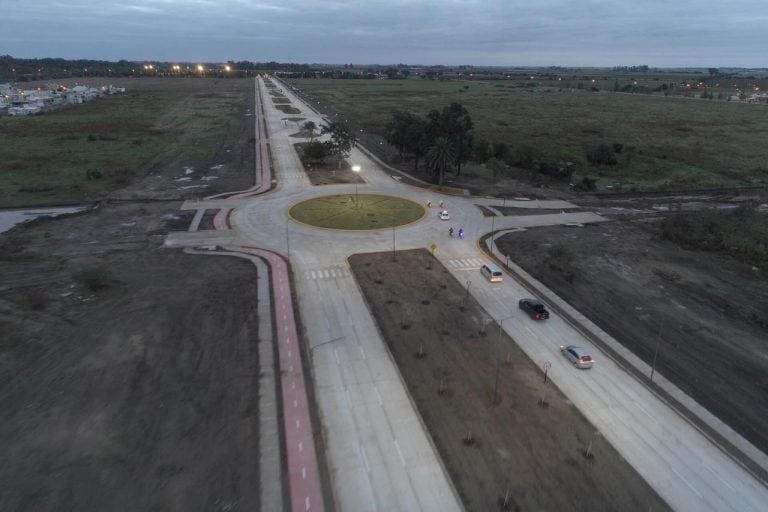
356, 212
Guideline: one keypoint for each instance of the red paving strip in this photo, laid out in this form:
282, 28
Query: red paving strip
221, 219
303, 473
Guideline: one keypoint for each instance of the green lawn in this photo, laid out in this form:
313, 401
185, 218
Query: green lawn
157, 124
676, 141
356, 212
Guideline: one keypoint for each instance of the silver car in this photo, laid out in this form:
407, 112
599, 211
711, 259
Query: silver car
578, 356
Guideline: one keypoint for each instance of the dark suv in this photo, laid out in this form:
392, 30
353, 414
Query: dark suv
534, 308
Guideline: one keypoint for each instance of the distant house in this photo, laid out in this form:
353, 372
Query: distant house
34, 101
25, 110
111, 89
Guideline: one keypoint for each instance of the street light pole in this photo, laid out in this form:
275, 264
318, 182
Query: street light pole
498, 357
287, 240
656, 353
393, 241
493, 219
356, 169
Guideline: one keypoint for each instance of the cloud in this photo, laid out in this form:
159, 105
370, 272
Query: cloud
483, 32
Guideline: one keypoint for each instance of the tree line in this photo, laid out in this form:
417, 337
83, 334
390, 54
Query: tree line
442, 139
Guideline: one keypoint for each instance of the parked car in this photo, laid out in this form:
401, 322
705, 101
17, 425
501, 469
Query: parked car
444, 215
534, 308
578, 356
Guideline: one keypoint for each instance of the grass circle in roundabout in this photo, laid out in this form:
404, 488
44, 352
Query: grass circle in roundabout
356, 211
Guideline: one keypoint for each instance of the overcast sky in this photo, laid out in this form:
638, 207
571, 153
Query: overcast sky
663, 33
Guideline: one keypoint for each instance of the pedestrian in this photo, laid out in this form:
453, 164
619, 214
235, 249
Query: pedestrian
450, 232
461, 232
441, 203
429, 204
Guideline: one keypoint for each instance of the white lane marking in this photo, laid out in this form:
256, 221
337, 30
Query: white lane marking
306, 503
301, 446
397, 447
289, 354
304, 473
362, 352
365, 459
686, 482
336, 356
718, 477
295, 404
646, 412
298, 424
326, 274
378, 395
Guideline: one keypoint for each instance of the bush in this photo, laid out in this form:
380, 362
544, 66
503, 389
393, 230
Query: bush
741, 233
560, 259
314, 152
602, 154
93, 174
523, 156
93, 278
586, 184
558, 171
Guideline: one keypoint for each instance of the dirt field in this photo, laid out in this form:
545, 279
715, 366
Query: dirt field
706, 313
142, 395
532, 454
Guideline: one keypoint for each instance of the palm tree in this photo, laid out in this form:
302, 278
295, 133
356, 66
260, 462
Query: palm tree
309, 128
439, 156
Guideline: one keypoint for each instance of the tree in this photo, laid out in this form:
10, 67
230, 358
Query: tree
456, 125
309, 128
397, 131
524, 156
417, 140
342, 140
496, 166
500, 151
314, 152
602, 154
439, 157
482, 151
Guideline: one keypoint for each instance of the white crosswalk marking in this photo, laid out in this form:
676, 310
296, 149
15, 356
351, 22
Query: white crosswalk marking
466, 263
327, 273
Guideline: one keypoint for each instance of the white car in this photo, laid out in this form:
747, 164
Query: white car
578, 356
444, 215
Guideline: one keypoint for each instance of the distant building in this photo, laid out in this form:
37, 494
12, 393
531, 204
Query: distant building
33, 101
26, 110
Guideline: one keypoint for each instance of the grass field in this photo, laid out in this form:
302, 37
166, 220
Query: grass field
157, 123
673, 141
356, 212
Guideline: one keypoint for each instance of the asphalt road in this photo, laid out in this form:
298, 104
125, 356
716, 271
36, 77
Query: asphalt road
379, 455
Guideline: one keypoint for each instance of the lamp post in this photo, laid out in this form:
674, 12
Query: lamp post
356, 169
498, 344
656, 353
493, 219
